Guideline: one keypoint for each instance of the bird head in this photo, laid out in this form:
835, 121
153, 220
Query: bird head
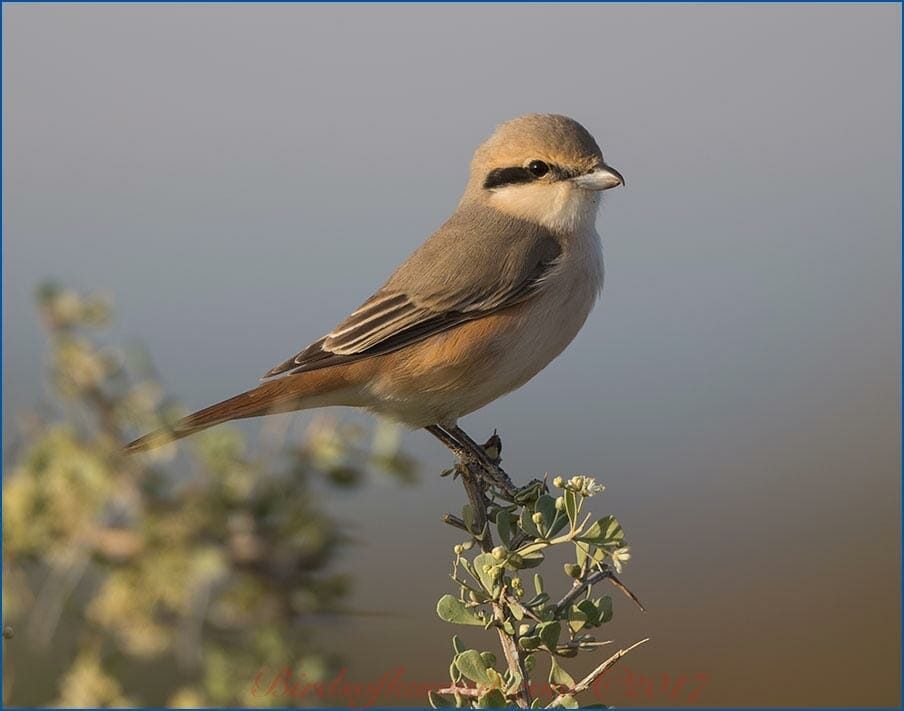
543, 168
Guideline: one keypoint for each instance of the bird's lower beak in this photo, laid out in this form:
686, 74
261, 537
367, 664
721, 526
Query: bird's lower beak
602, 178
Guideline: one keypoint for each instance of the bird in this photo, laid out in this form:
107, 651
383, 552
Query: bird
481, 307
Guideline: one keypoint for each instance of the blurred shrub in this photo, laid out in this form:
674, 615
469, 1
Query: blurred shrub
209, 561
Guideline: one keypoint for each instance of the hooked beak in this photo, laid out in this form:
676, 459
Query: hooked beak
602, 178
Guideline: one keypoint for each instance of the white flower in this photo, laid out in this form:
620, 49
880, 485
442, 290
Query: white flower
619, 556
591, 487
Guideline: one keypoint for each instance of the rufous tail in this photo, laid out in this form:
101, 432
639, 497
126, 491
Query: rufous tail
282, 395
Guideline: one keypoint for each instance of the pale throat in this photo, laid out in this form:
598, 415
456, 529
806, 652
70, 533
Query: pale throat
559, 207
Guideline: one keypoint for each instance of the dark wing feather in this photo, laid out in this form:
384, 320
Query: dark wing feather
407, 310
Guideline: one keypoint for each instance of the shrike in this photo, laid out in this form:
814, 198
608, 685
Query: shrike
480, 308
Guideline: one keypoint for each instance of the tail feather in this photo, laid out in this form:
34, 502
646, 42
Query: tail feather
283, 395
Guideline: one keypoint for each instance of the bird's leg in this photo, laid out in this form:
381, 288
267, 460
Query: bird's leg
468, 459
486, 458
492, 451
470, 469
466, 449
492, 468
448, 440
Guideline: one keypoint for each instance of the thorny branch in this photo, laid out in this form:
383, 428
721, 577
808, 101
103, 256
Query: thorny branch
472, 480
476, 478
591, 678
581, 586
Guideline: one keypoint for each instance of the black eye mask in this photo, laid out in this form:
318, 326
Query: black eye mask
507, 176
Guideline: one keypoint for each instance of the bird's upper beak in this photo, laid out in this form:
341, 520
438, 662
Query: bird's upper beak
602, 178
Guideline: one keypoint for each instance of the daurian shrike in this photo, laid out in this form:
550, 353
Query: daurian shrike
479, 309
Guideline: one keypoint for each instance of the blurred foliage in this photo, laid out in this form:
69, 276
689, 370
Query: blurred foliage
493, 593
211, 560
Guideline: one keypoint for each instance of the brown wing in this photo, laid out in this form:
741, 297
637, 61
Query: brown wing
451, 279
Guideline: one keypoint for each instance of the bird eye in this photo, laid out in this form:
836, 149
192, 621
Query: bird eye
538, 168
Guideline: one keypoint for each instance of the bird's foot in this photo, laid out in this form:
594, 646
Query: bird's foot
482, 460
489, 473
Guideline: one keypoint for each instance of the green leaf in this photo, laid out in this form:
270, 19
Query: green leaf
439, 702
571, 507
529, 643
591, 612
537, 600
560, 522
573, 570
453, 610
531, 560
549, 634
533, 547
612, 529
472, 665
487, 579
559, 678
605, 609
517, 611
494, 699
528, 525
577, 618
530, 661
504, 521
546, 506
489, 659
457, 644
569, 702
538, 583
605, 531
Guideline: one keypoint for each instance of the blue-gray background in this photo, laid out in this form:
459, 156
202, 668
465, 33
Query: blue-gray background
241, 177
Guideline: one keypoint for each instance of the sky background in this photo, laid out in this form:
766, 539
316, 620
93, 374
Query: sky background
240, 178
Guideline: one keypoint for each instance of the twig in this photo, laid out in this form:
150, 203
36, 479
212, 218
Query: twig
583, 645
455, 522
624, 588
591, 678
581, 586
472, 481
